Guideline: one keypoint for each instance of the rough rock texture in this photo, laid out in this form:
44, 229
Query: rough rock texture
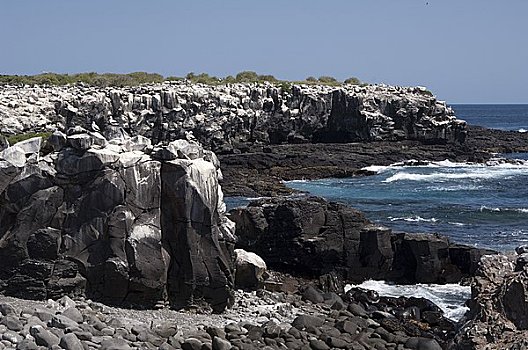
236, 116
250, 269
119, 220
312, 237
498, 315
358, 319
259, 171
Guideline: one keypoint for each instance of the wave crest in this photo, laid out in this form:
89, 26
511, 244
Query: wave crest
414, 218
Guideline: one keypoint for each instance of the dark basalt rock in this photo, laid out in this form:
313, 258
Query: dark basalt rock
312, 237
107, 220
498, 315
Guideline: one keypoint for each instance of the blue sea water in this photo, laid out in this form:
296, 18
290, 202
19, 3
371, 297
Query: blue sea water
502, 117
483, 205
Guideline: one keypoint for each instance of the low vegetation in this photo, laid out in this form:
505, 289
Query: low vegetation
138, 78
94, 79
12, 139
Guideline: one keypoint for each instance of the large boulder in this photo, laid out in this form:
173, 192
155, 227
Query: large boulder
108, 220
250, 269
312, 237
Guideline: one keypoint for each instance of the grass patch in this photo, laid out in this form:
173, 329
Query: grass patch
13, 139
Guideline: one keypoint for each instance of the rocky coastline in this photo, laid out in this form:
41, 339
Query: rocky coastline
122, 204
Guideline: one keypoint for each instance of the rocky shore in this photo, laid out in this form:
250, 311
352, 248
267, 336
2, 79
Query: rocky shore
260, 172
122, 204
358, 319
312, 237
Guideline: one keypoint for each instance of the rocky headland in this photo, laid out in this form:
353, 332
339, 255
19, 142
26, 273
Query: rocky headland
121, 203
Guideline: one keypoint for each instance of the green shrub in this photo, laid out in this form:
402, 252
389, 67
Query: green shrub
173, 78
13, 139
229, 79
203, 78
137, 78
328, 80
268, 78
92, 78
246, 77
286, 86
352, 81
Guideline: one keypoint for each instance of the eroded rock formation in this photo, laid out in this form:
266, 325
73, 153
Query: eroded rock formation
224, 118
120, 220
498, 315
312, 237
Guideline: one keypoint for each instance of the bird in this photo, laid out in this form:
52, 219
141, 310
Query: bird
95, 127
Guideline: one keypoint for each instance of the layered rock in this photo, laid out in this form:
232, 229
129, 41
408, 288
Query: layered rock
236, 116
120, 221
313, 237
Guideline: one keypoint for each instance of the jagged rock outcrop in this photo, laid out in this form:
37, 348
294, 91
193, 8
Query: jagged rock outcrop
498, 315
312, 237
120, 220
228, 117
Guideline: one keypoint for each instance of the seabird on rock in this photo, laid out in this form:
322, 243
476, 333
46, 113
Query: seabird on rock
95, 127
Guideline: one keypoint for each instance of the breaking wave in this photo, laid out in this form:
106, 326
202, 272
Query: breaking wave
449, 297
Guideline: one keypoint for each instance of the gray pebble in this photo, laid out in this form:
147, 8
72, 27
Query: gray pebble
62, 322
73, 314
43, 337
221, 344
12, 323
115, 344
71, 342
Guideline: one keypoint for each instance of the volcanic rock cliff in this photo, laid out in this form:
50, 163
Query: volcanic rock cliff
228, 117
121, 221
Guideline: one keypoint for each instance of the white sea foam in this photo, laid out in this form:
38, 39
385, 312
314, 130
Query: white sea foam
406, 176
456, 223
474, 172
449, 297
454, 188
297, 181
414, 164
414, 218
494, 209
376, 168
522, 130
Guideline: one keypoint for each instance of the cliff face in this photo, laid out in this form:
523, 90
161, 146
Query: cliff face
226, 117
119, 220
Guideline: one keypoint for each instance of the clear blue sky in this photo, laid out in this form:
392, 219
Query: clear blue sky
463, 50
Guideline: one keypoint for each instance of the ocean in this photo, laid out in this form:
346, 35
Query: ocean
483, 205
502, 117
